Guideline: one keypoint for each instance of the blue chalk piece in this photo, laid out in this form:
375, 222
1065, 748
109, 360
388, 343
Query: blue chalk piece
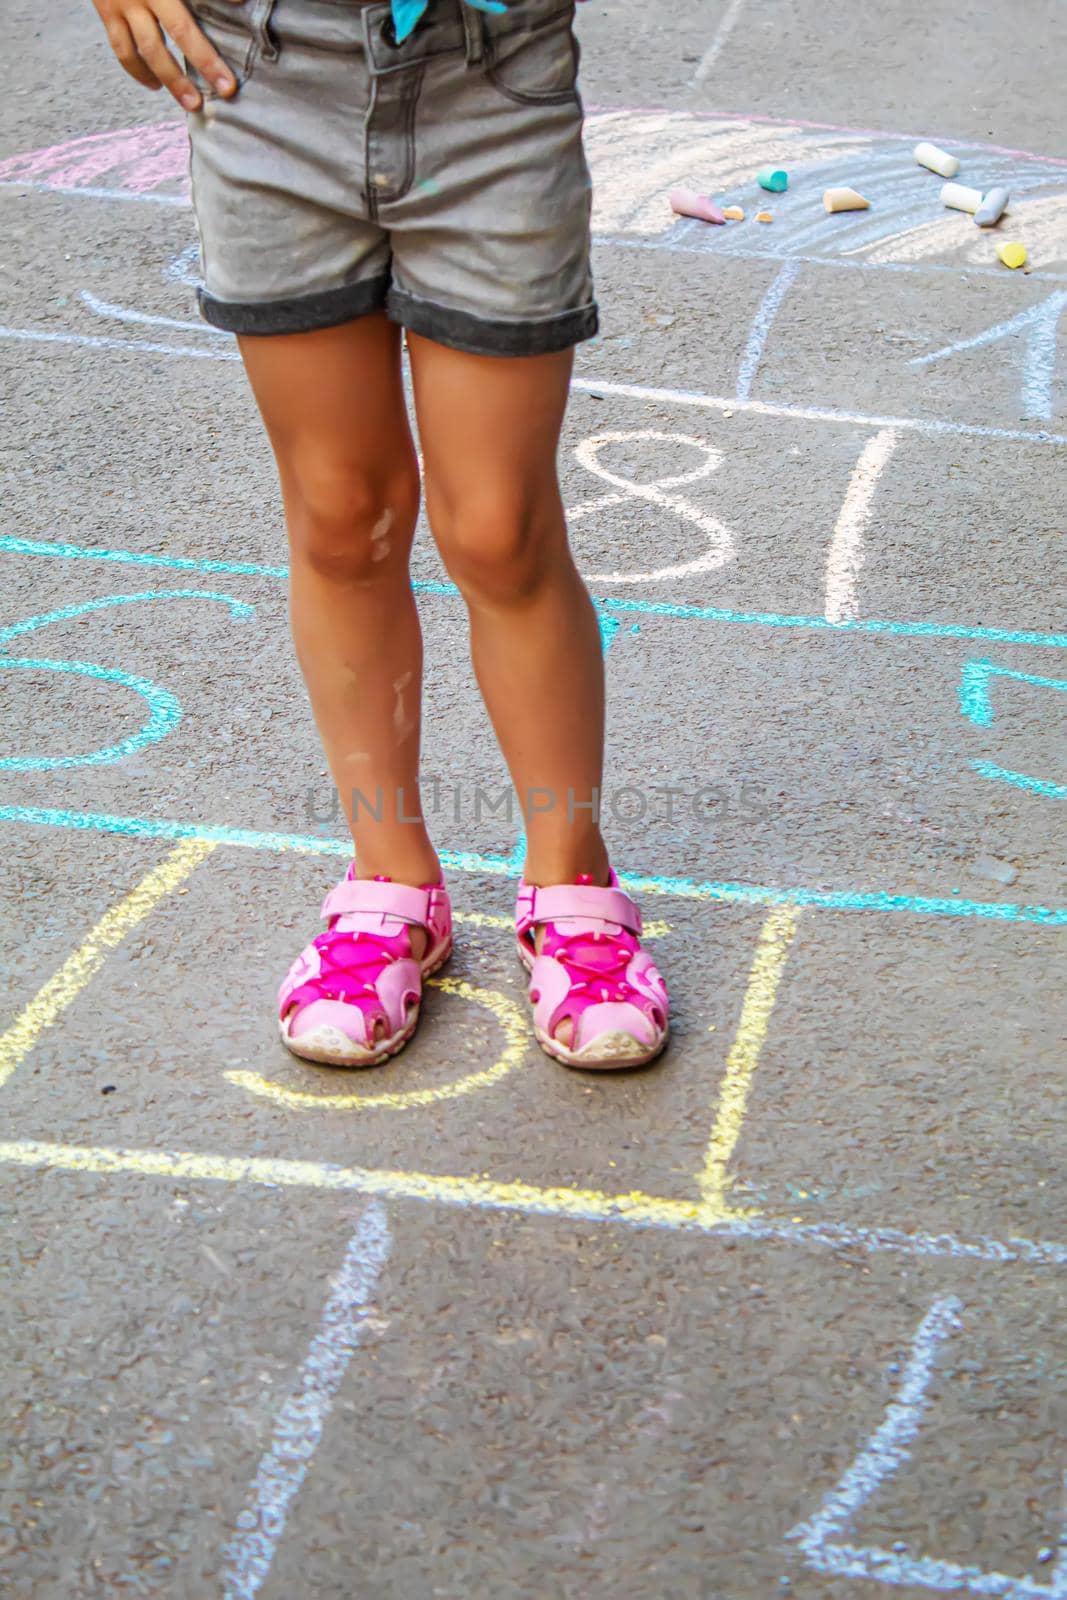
636, 628
773, 179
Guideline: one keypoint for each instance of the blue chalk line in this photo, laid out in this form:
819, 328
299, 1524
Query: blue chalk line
491, 865
1020, 780
164, 709
654, 608
975, 703
977, 707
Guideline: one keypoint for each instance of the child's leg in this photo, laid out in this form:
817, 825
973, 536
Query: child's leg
490, 427
333, 404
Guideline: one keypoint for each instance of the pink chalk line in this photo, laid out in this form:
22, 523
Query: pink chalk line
823, 127
141, 158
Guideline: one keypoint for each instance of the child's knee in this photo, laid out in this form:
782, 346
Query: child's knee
498, 548
348, 526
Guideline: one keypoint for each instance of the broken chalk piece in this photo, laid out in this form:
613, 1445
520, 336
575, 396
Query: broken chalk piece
773, 178
960, 198
937, 160
845, 200
687, 203
764, 216
994, 204
734, 213
1012, 255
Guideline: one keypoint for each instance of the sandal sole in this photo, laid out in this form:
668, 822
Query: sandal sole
625, 1058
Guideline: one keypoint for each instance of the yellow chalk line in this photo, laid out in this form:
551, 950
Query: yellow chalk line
765, 975
79, 969
516, 1031
591, 1204
483, 919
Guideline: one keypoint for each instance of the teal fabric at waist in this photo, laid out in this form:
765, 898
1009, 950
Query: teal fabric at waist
407, 14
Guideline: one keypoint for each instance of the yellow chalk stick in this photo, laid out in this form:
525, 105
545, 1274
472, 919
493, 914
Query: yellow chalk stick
764, 216
936, 159
1012, 255
844, 200
961, 197
734, 213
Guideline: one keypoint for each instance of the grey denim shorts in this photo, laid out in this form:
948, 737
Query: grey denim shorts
443, 179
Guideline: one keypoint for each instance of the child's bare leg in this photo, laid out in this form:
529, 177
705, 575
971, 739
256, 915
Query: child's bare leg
490, 428
333, 405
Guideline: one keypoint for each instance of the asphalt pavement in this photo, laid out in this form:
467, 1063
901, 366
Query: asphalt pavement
782, 1315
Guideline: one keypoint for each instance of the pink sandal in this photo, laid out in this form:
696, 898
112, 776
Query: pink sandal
361, 972
592, 972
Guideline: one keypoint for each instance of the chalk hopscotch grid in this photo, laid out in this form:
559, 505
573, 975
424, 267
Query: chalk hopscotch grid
750, 362
300, 1423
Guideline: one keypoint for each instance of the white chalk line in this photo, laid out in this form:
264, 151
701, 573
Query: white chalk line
104, 308
627, 391
721, 542
766, 408
1039, 360
97, 341
768, 309
847, 552
301, 1420
887, 1450
719, 41
84, 191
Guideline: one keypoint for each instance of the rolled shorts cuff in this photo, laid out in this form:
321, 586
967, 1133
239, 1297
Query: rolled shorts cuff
304, 313
488, 336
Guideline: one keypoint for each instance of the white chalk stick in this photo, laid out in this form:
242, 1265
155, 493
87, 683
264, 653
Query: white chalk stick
994, 204
844, 200
937, 160
960, 198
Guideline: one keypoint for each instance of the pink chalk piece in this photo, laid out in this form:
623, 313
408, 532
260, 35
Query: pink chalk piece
133, 159
687, 203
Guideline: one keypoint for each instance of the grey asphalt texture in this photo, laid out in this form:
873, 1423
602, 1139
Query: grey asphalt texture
555, 1389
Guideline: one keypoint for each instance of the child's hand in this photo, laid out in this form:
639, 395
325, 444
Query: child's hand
136, 29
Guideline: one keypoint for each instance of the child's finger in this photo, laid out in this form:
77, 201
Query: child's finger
152, 48
194, 46
121, 41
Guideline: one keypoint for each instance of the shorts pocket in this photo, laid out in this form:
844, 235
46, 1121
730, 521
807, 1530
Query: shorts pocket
536, 62
240, 33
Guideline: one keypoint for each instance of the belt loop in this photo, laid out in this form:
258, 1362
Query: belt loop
474, 31
260, 19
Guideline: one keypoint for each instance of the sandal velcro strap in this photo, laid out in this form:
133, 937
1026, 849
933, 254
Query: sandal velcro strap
385, 899
563, 900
